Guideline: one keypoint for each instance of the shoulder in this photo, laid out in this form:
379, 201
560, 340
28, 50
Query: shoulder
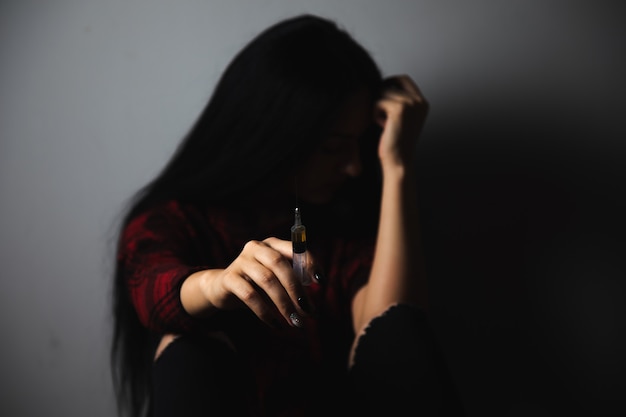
169, 217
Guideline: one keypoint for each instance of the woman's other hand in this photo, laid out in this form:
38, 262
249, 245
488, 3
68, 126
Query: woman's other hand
401, 112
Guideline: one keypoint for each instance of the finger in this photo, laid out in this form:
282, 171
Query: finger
401, 96
394, 102
409, 85
298, 295
390, 105
274, 255
313, 269
394, 99
282, 246
275, 290
238, 284
404, 83
272, 272
285, 247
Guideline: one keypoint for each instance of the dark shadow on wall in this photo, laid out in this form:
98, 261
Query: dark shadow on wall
525, 241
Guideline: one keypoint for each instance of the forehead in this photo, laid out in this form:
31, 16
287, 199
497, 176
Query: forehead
355, 114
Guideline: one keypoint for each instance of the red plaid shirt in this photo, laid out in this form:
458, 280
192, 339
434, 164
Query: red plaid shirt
164, 245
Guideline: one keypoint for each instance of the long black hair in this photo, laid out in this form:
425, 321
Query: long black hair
274, 101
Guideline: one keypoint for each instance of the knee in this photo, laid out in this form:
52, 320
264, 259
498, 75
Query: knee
398, 331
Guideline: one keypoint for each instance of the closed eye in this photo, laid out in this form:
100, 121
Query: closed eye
336, 143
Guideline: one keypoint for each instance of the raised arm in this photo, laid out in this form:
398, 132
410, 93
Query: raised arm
397, 274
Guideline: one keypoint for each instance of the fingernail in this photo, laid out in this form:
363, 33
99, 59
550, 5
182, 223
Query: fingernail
304, 305
295, 320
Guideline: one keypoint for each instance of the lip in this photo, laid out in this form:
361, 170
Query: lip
333, 185
336, 182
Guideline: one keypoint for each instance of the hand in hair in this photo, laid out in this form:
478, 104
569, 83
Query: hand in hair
261, 278
401, 112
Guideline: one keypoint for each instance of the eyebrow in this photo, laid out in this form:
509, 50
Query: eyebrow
342, 135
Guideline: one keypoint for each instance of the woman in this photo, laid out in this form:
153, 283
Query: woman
210, 318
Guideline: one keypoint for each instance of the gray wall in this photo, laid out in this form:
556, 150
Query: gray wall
522, 181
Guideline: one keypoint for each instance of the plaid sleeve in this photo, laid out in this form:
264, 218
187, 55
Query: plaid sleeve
155, 255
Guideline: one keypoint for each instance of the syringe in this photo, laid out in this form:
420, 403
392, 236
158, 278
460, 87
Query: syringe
298, 242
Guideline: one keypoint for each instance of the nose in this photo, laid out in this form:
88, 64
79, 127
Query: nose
353, 166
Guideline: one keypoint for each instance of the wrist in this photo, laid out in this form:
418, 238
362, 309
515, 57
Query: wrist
195, 293
397, 170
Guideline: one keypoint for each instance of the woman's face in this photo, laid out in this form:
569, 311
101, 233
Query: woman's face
337, 158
